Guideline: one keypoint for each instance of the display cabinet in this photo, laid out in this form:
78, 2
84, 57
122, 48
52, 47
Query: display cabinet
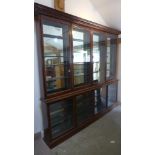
77, 71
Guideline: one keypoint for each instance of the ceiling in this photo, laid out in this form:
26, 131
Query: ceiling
110, 10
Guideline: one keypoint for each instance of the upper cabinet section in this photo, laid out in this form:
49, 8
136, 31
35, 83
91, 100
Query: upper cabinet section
50, 12
56, 55
74, 53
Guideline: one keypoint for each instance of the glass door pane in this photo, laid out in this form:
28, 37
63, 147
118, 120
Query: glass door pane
100, 99
61, 116
99, 55
85, 106
112, 94
81, 56
111, 56
56, 56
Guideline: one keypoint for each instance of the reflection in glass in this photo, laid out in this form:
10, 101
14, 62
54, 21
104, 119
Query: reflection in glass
81, 53
53, 47
96, 76
56, 56
85, 106
96, 38
98, 57
78, 35
52, 30
61, 115
111, 56
100, 99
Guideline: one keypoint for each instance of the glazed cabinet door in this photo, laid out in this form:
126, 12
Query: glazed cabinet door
99, 57
100, 99
56, 55
81, 56
111, 56
85, 106
61, 117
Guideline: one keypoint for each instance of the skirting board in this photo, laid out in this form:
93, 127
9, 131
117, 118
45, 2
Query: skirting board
37, 135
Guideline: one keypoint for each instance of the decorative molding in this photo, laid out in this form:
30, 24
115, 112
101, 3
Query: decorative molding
47, 11
78, 91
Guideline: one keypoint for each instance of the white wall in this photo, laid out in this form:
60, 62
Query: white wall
110, 11
49, 3
84, 9
81, 8
37, 103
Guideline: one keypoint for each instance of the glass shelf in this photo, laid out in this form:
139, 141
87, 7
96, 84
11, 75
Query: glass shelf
61, 116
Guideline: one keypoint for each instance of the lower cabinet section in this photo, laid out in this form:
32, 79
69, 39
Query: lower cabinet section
85, 107
68, 115
100, 99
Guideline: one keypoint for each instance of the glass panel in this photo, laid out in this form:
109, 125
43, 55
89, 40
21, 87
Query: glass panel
78, 35
108, 67
52, 30
85, 107
96, 38
81, 60
99, 52
61, 115
55, 78
53, 47
111, 56
96, 76
80, 55
56, 56
112, 94
96, 66
100, 99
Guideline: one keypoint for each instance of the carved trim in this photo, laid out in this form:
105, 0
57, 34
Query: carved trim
47, 11
78, 91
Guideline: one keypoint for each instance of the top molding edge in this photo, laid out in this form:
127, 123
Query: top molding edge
47, 11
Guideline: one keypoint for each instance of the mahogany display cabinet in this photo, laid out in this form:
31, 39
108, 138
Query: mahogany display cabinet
77, 71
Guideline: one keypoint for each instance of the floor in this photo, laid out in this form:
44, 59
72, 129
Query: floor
100, 138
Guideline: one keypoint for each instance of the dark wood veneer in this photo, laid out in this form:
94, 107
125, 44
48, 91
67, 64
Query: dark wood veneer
45, 13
